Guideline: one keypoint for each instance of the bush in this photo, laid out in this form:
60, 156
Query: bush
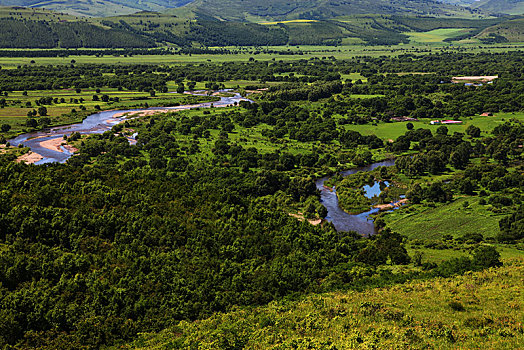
486, 256
456, 306
454, 266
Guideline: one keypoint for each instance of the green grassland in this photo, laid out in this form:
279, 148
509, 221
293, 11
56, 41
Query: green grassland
436, 36
393, 130
431, 223
477, 310
282, 53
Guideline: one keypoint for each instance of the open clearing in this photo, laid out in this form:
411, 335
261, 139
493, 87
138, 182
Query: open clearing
436, 36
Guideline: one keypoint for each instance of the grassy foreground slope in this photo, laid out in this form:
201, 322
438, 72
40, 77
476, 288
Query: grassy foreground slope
481, 310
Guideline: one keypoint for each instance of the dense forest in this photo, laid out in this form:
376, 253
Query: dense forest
36, 34
194, 218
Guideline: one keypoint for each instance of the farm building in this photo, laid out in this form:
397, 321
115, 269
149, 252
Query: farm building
438, 122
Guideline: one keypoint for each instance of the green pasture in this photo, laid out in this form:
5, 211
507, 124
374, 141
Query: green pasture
353, 77
436, 36
439, 255
388, 131
419, 221
284, 53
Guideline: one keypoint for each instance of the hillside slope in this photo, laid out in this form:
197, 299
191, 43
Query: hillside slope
97, 8
478, 310
37, 28
511, 7
254, 10
509, 31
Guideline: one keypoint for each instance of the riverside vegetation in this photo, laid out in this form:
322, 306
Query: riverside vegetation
193, 222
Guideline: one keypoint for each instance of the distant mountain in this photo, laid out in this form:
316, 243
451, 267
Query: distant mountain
512, 7
98, 8
256, 10
207, 23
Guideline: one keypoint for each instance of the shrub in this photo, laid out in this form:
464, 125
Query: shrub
456, 306
486, 256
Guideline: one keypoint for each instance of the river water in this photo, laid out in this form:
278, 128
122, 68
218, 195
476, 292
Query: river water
361, 223
97, 123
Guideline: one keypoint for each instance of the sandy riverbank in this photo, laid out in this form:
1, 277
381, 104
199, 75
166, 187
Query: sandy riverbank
141, 113
56, 145
29, 158
389, 206
300, 217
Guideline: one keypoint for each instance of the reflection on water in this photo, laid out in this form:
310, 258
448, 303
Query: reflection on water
343, 221
371, 191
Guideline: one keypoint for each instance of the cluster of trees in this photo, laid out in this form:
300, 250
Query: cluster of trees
218, 33
492, 182
90, 52
133, 77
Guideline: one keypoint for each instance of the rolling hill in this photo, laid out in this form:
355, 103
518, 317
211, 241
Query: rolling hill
244, 23
254, 10
509, 31
511, 7
38, 28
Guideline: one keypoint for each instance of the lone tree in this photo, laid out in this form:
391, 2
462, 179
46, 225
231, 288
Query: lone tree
32, 123
486, 256
42, 111
5, 127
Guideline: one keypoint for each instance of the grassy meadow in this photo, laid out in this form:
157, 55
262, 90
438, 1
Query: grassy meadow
286, 53
393, 130
458, 218
436, 36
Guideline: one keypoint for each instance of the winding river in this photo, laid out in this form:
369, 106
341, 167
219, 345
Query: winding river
97, 123
361, 223
101, 122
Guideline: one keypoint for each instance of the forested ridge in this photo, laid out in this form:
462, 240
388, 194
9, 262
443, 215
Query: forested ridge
26, 29
39, 34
